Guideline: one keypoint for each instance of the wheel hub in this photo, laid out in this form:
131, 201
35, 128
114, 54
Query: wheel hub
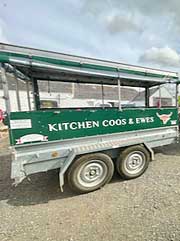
135, 162
92, 173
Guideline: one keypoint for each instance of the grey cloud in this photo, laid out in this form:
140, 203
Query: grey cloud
145, 8
161, 56
117, 23
110, 17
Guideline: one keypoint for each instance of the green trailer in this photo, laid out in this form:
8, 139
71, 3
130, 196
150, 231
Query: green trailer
84, 143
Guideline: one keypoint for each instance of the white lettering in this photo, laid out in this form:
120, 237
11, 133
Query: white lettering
124, 122
151, 119
65, 124
59, 127
95, 123
144, 120
52, 127
88, 124
105, 123
112, 122
137, 120
81, 125
118, 122
73, 125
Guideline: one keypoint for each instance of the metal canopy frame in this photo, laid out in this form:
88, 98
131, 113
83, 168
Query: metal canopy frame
48, 65
79, 75
32, 65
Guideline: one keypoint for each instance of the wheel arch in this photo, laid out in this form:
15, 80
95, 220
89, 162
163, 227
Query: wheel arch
114, 152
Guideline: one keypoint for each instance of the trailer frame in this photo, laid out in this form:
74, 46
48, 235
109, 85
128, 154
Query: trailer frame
32, 65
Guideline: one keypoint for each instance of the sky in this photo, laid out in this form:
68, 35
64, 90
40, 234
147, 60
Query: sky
140, 32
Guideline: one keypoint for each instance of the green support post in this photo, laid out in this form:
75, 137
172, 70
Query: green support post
147, 94
36, 93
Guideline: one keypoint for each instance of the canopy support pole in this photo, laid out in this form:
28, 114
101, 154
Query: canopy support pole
147, 94
5, 88
17, 91
28, 95
177, 94
36, 94
102, 94
160, 104
119, 94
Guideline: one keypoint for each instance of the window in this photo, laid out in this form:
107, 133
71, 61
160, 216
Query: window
56, 94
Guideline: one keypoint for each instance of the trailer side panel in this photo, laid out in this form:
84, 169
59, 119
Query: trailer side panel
47, 126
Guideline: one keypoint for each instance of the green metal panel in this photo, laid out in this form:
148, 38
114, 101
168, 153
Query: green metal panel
6, 57
40, 126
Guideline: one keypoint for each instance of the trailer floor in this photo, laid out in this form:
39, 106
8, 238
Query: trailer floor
144, 209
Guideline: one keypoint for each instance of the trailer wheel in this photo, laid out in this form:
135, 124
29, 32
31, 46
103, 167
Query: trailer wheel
133, 162
90, 172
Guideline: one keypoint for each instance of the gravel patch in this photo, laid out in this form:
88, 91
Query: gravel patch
143, 209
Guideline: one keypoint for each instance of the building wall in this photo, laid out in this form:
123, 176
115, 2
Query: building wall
164, 94
64, 100
67, 100
13, 100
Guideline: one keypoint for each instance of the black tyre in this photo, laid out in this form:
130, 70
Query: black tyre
133, 162
90, 172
